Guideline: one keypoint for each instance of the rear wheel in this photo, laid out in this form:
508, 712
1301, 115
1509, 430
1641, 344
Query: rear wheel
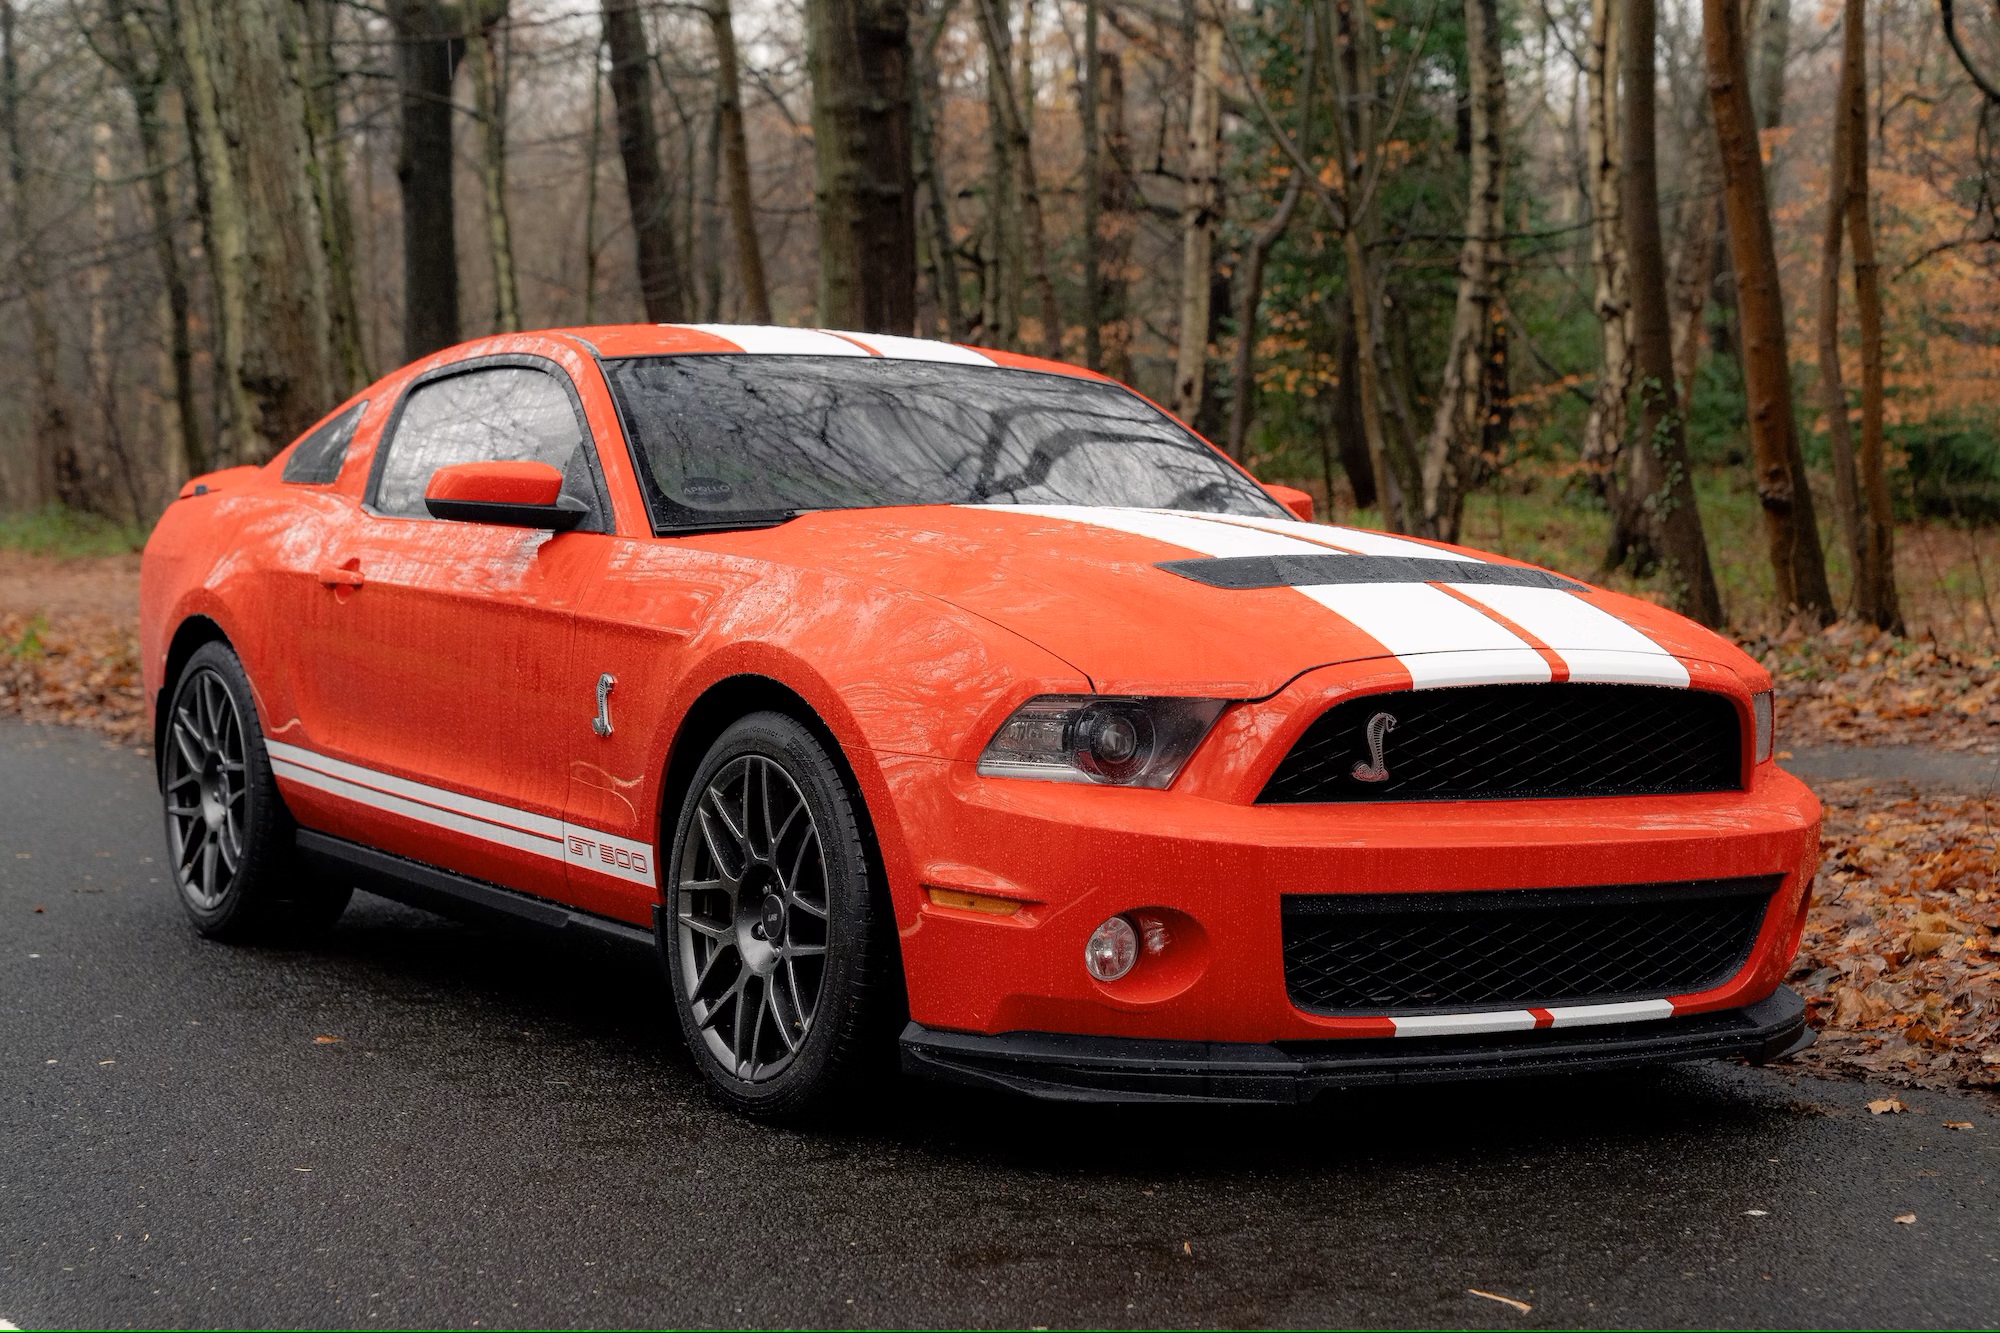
776, 943
229, 835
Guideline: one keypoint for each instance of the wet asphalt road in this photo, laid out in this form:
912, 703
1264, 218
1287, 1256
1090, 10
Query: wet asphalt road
504, 1133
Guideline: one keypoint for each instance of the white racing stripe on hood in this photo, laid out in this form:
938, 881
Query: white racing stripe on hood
1357, 540
1438, 639
1593, 643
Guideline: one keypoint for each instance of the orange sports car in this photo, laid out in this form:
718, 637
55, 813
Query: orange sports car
910, 697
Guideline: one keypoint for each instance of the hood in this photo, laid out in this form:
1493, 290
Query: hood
1242, 605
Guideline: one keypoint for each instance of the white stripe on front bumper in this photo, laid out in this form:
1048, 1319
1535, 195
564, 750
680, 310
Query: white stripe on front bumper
1522, 1020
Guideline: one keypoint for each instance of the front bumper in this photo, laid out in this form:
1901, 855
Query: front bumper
1063, 1067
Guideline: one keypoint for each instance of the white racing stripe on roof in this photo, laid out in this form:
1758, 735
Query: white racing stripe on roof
1439, 639
916, 349
1596, 645
772, 340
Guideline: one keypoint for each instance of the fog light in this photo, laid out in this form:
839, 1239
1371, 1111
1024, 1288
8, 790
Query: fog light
1111, 950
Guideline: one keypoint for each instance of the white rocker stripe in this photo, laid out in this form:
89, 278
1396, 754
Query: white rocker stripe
1523, 1020
575, 844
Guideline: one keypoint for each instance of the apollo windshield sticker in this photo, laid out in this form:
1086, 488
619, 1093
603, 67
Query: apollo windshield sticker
502, 825
1474, 631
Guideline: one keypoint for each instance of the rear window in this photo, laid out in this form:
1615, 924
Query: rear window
726, 439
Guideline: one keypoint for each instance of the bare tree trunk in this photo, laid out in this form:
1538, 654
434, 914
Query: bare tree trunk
1774, 41
327, 160
274, 334
648, 193
1249, 295
1833, 391
736, 167
1605, 424
144, 78
489, 100
1782, 488
1093, 187
859, 51
1661, 483
428, 49
1001, 257
591, 153
925, 96
1116, 223
1694, 260
52, 431
1014, 113
1200, 209
1875, 572
1464, 401
1397, 479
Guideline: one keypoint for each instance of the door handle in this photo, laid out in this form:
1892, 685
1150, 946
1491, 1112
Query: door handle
345, 575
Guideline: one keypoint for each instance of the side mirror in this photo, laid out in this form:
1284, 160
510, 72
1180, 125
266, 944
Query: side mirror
1292, 498
516, 495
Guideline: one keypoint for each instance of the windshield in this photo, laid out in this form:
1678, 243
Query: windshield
724, 439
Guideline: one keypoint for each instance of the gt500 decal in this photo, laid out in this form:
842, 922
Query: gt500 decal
522, 830
612, 856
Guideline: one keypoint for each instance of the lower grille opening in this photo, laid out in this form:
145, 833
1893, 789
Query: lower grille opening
1404, 953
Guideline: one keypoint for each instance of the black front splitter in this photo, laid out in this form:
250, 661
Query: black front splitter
1066, 1067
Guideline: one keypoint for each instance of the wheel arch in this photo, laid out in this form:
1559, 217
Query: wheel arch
739, 695
193, 631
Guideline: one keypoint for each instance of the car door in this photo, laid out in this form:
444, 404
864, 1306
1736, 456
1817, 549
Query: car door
440, 649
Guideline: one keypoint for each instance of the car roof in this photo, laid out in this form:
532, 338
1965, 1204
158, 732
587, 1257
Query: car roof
620, 340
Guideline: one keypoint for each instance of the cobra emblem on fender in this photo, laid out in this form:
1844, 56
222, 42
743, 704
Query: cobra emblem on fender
601, 724
1375, 770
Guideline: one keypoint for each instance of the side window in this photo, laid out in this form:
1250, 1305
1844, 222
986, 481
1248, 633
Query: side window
500, 414
318, 458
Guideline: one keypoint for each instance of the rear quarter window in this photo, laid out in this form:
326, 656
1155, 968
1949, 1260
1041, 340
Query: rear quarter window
317, 459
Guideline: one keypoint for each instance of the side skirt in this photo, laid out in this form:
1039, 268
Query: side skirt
449, 893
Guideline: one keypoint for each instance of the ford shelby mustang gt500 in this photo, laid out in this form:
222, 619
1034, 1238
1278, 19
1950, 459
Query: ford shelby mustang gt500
904, 694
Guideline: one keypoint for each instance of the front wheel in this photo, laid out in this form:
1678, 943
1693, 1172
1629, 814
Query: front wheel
229, 834
774, 943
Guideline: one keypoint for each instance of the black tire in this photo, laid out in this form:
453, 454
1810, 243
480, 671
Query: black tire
767, 844
229, 836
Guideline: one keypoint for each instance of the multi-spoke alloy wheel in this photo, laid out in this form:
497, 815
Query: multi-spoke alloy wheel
752, 917
771, 928
228, 832
206, 788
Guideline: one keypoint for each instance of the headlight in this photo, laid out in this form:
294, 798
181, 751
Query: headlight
1761, 718
1127, 742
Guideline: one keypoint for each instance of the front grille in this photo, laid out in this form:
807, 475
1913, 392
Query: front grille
1482, 742
1382, 953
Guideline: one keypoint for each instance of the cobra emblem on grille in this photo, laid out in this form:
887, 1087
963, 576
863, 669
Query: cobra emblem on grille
1375, 770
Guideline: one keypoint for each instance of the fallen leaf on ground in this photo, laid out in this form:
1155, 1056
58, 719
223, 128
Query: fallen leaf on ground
1958, 1124
1187, 1247
1885, 1105
1907, 1219
324, 1041
1755, 1212
1522, 1306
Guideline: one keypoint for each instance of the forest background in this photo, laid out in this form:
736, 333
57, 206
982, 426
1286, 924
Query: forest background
1405, 255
